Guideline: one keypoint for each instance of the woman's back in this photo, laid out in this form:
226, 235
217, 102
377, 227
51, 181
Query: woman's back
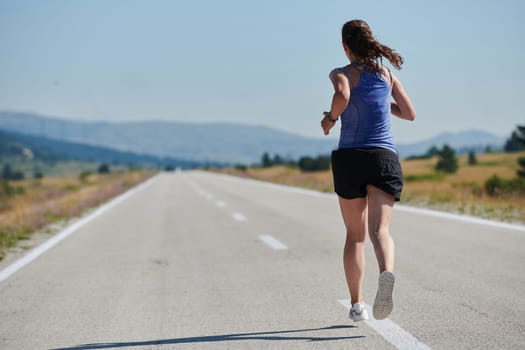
366, 119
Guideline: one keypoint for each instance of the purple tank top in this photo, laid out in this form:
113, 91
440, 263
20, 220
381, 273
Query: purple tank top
366, 120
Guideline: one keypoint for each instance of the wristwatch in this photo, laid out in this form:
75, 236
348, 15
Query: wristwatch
329, 117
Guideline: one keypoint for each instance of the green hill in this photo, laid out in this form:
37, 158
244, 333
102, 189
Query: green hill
30, 151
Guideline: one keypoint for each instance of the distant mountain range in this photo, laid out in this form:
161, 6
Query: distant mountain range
17, 145
200, 143
217, 142
462, 141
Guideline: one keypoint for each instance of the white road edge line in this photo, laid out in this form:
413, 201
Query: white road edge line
272, 242
68, 231
392, 333
400, 207
239, 217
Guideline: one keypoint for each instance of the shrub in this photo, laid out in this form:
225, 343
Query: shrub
516, 141
447, 160
307, 163
38, 174
266, 161
521, 163
83, 176
6, 190
104, 169
476, 189
241, 167
9, 174
472, 160
497, 186
494, 185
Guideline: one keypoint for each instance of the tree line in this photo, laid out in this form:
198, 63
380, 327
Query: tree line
305, 163
10, 174
447, 163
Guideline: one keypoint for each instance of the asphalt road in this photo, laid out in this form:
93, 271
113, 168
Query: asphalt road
203, 261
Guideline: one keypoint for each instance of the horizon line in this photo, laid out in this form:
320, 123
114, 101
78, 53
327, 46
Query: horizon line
225, 122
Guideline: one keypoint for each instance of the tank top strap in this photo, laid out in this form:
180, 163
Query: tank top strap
390, 76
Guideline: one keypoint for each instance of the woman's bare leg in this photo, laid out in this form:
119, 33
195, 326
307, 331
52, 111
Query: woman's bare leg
380, 206
354, 216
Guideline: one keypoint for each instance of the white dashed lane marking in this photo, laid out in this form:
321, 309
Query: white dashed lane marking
272, 242
239, 217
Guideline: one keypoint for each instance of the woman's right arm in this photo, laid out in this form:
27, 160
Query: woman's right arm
402, 106
339, 99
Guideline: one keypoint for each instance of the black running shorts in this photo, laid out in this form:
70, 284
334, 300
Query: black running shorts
353, 169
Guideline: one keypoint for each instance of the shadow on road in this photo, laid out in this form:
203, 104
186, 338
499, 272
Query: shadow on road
221, 338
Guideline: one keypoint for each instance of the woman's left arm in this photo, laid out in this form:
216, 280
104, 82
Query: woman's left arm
402, 106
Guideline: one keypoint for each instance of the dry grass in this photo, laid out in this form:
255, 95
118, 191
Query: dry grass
42, 202
462, 192
321, 180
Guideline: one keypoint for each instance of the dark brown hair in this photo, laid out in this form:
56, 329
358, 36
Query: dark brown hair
357, 35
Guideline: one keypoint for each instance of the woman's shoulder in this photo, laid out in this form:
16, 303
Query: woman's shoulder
338, 73
351, 73
337, 70
343, 69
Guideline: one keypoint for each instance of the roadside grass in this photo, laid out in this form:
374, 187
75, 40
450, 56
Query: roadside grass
49, 200
462, 192
318, 180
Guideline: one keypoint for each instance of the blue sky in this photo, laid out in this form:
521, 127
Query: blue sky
258, 62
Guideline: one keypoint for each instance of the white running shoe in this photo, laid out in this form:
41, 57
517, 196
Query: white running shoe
384, 304
358, 312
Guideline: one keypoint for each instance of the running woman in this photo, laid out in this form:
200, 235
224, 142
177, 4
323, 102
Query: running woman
366, 169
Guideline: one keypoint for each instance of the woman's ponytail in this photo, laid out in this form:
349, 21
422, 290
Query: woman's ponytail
357, 35
395, 58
